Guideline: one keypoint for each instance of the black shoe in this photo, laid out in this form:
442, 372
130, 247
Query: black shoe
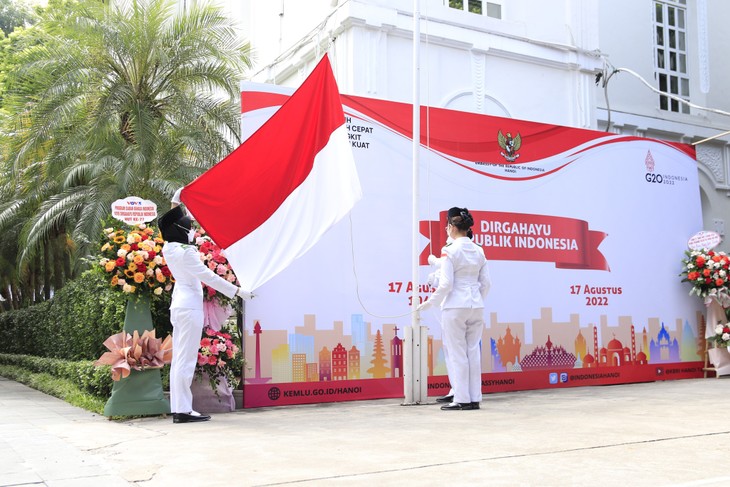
475, 405
457, 406
446, 399
189, 418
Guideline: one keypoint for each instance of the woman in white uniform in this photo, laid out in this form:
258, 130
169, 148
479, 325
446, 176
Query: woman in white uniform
463, 285
186, 308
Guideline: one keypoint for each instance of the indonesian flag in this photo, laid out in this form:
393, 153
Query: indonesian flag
272, 198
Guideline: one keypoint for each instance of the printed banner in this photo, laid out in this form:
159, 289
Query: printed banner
517, 236
584, 232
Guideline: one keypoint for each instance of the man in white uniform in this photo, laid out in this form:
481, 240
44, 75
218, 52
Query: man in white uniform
186, 308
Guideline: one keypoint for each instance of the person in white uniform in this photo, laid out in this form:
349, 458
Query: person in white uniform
433, 281
463, 285
186, 307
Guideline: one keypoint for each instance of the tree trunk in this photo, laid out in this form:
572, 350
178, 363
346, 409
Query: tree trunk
47, 264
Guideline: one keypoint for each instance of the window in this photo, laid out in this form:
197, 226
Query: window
481, 7
670, 53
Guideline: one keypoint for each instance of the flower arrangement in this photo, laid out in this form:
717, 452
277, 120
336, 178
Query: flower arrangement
127, 352
132, 261
212, 256
708, 273
219, 358
722, 335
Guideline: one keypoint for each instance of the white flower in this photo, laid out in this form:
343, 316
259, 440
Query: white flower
103, 261
718, 329
130, 238
121, 253
157, 291
726, 336
149, 273
157, 260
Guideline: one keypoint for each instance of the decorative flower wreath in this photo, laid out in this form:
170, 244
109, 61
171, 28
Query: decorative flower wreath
708, 273
131, 258
219, 358
212, 256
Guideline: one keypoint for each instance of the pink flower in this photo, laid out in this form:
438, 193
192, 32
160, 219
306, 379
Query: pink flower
221, 270
212, 360
205, 342
202, 359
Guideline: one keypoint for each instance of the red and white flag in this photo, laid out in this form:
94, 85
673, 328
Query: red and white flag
271, 199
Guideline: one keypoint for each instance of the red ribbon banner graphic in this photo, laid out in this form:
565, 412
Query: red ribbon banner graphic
519, 236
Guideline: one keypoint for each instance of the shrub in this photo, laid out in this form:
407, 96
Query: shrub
74, 323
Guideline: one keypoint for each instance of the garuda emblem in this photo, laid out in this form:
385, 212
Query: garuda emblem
510, 145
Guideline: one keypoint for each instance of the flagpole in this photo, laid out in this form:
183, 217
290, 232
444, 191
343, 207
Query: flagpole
414, 378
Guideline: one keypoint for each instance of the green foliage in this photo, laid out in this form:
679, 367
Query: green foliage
93, 380
13, 13
74, 324
114, 99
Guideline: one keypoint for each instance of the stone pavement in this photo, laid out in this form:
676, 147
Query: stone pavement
674, 433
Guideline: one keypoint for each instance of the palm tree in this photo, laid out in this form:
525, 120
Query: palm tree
131, 98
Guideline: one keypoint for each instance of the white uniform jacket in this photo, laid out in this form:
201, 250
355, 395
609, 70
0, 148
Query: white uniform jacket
464, 278
189, 272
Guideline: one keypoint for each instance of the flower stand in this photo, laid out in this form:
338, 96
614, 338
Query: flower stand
141, 393
205, 400
720, 359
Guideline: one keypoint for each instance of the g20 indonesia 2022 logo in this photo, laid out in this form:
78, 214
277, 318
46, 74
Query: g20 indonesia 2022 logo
656, 178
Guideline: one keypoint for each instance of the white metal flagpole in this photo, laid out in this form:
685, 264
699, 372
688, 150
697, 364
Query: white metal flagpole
415, 353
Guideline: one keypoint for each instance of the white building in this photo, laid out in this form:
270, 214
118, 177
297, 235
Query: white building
526, 59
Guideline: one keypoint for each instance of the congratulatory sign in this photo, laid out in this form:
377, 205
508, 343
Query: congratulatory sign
133, 209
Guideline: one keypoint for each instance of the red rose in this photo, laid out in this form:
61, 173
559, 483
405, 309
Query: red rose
152, 254
143, 268
706, 273
121, 262
700, 261
165, 271
719, 282
708, 281
134, 246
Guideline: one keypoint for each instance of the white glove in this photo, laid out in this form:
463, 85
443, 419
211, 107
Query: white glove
432, 259
176, 197
244, 294
431, 279
424, 305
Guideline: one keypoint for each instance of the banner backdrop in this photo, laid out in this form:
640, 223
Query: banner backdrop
584, 232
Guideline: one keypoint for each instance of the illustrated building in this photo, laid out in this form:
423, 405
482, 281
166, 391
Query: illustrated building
339, 363
548, 357
325, 365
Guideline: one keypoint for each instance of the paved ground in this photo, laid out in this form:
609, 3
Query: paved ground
656, 434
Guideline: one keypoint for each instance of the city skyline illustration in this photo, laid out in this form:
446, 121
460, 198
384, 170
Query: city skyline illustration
309, 354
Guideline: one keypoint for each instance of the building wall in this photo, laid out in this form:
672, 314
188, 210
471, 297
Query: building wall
538, 62
626, 39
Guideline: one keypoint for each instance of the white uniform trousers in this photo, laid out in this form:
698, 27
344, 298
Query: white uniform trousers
187, 330
462, 330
